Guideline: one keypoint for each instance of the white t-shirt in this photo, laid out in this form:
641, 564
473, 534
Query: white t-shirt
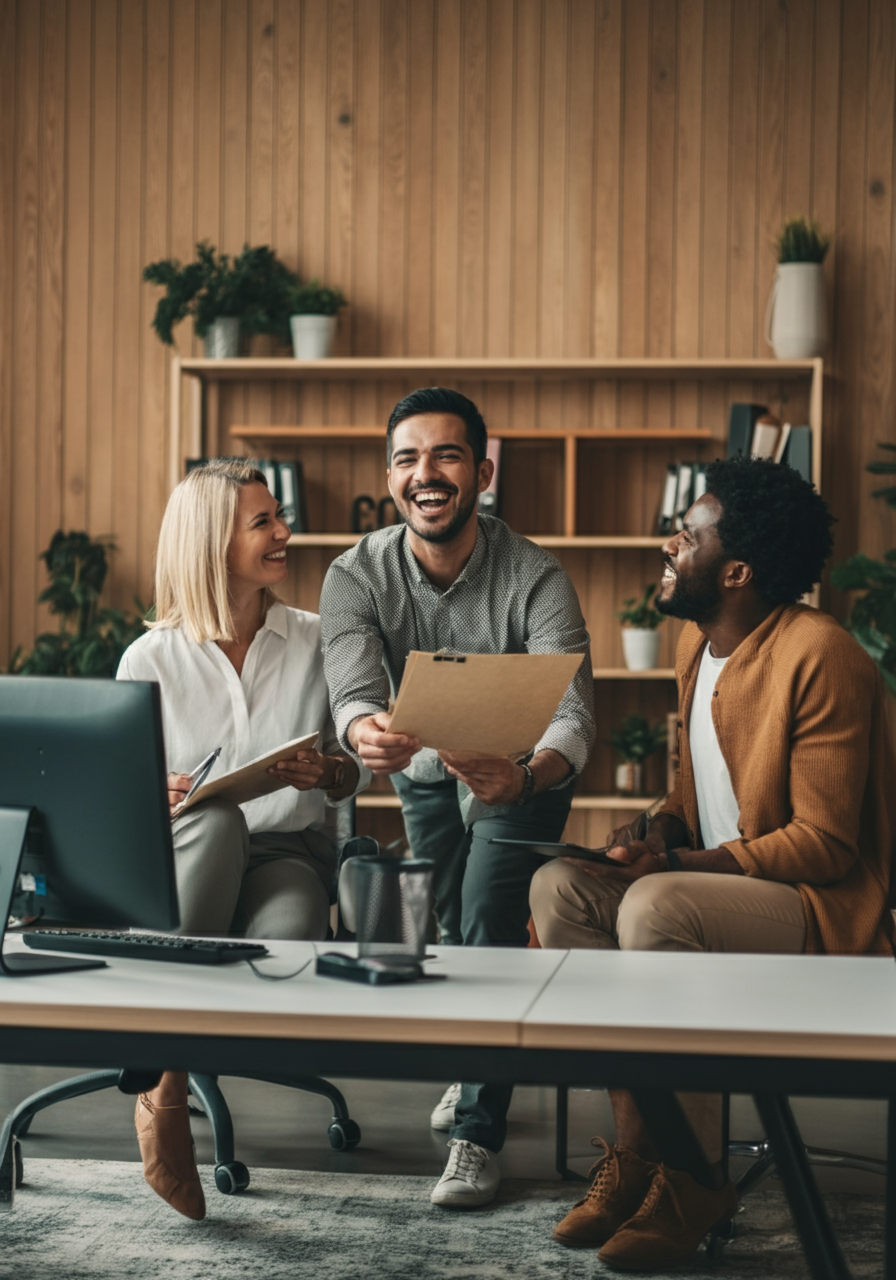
716, 801
281, 694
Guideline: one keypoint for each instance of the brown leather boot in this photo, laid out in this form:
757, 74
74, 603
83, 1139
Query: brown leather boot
169, 1161
675, 1216
621, 1182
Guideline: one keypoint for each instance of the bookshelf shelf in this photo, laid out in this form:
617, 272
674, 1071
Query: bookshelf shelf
623, 673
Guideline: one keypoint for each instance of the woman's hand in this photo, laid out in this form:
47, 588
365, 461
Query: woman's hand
308, 771
178, 786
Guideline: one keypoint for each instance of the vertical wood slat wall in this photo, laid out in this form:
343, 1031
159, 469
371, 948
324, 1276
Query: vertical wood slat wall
481, 177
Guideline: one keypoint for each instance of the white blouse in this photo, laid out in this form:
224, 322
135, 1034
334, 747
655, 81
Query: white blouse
281, 694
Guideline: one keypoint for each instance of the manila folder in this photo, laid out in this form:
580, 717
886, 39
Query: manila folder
488, 704
251, 780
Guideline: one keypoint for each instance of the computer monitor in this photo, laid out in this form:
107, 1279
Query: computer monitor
85, 831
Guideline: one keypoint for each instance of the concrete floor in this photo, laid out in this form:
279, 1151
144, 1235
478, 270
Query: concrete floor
282, 1128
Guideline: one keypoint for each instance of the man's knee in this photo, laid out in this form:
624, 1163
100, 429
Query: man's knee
547, 897
658, 914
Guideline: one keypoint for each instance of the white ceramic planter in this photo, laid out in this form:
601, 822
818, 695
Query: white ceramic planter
222, 339
312, 336
641, 648
629, 778
796, 320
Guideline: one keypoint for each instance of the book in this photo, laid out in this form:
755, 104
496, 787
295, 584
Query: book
292, 495
667, 505
269, 470
699, 486
741, 418
488, 501
249, 781
765, 437
782, 441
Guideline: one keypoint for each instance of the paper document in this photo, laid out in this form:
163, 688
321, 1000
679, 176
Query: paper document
487, 704
249, 781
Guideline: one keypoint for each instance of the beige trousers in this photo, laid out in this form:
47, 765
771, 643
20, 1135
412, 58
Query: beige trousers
674, 911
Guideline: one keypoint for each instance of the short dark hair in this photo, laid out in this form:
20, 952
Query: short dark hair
441, 400
774, 521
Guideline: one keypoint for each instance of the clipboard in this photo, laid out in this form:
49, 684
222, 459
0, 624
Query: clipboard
484, 704
251, 780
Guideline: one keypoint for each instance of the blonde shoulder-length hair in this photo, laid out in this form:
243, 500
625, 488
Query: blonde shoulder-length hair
191, 559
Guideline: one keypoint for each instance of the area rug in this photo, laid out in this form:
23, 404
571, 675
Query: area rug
97, 1220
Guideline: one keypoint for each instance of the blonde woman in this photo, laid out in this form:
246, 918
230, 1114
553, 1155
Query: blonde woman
239, 670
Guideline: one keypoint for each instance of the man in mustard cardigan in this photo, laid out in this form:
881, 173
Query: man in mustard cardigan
778, 836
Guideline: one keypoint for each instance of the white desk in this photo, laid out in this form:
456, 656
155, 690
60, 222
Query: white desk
765, 1025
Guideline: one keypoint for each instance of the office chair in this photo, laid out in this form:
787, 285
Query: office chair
231, 1175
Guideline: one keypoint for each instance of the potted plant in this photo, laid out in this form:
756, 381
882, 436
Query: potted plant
250, 293
634, 740
314, 310
90, 640
873, 617
796, 320
640, 639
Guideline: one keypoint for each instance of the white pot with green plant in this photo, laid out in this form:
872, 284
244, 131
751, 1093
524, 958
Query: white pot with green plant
312, 322
226, 296
796, 319
634, 739
640, 637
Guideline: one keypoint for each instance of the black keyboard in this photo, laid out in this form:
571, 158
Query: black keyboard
144, 946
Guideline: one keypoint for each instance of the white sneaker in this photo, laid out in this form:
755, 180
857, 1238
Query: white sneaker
443, 1116
471, 1177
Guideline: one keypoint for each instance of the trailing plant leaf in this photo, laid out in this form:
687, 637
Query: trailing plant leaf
90, 640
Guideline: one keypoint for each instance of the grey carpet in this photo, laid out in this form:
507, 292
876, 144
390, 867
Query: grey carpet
97, 1220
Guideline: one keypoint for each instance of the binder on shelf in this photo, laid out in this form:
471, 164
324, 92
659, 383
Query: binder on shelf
741, 420
683, 493
798, 453
292, 496
488, 501
782, 442
667, 505
269, 469
699, 486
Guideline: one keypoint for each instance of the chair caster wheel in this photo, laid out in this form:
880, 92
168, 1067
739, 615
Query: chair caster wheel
19, 1165
230, 1178
344, 1135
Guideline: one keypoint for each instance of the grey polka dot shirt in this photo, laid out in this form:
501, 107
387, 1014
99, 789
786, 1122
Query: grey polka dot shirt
511, 597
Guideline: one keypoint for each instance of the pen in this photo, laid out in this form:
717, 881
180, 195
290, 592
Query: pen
200, 773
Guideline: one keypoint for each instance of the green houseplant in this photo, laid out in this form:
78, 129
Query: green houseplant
314, 309
873, 617
634, 739
90, 639
640, 639
251, 293
796, 319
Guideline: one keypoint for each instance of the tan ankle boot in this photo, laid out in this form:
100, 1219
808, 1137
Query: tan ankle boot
169, 1161
675, 1216
621, 1182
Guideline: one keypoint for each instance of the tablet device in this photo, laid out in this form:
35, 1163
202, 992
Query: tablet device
556, 849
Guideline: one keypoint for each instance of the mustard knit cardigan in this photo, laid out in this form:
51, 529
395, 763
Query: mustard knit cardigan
800, 714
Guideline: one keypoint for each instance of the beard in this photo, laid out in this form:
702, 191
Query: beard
448, 532
697, 598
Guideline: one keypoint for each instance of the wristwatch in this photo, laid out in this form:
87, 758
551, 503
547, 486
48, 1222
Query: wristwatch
528, 785
339, 781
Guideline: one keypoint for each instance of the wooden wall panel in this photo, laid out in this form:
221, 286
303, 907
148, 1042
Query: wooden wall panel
553, 177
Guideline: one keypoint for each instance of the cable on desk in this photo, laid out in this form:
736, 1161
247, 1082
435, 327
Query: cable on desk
277, 977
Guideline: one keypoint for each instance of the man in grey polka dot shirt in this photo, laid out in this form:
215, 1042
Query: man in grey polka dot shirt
449, 578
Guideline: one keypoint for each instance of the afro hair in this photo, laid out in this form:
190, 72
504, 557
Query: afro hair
775, 522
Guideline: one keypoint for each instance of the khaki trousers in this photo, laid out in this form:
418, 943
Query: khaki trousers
673, 911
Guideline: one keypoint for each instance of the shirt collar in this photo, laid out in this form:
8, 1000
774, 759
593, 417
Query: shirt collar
470, 569
276, 620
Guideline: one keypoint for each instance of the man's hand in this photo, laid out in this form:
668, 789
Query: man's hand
492, 779
178, 786
380, 750
632, 858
